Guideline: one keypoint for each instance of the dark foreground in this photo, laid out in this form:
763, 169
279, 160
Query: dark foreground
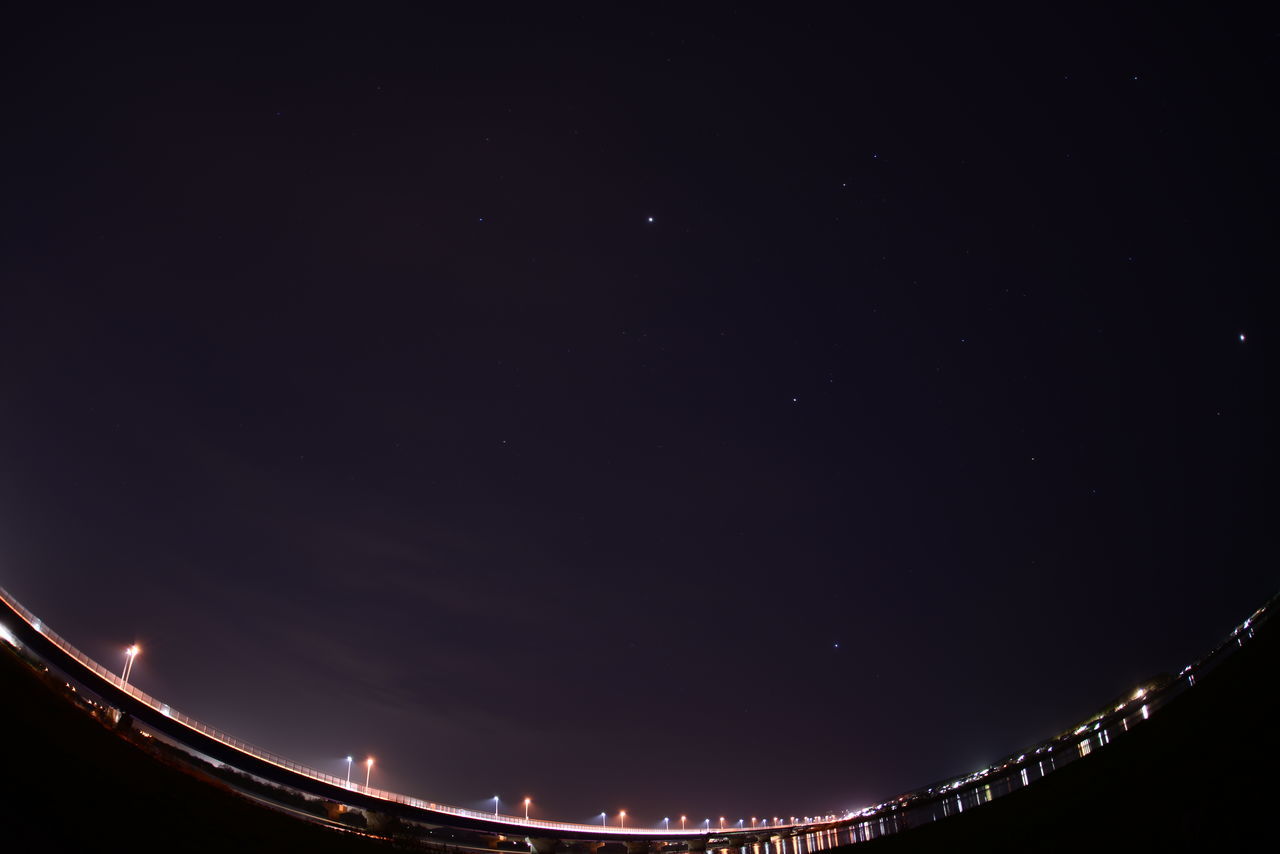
1202, 774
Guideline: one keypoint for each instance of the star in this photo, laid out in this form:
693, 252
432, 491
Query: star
649, 219
1241, 337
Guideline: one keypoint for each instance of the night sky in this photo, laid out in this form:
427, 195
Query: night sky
749, 411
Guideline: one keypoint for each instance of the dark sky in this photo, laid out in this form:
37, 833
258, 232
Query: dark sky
751, 411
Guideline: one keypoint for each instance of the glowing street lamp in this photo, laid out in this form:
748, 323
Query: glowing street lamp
706, 822
722, 822
682, 818
604, 820
348, 770
622, 818
368, 771
495, 804
666, 824
753, 821
129, 655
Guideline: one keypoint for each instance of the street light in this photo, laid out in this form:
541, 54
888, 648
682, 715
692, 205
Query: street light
622, 819
722, 822
368, 771
666, 824
348, 770
604, 820
129, 655
526, 808
682, 818
495, 804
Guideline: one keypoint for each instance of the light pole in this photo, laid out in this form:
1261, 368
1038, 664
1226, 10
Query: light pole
604, 820
622, 819
526, 808
368, 771
682, 819
495, 804
348, 770
129, 655
722, 822
666, 824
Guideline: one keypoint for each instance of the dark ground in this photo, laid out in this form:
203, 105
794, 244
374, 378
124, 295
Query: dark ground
68, 784
1200, 775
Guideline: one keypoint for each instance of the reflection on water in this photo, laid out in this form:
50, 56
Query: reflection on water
955, 796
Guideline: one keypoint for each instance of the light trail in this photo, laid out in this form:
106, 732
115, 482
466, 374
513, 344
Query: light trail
297, 768
958, 787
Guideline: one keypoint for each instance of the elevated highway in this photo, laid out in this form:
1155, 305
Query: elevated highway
542, 835
21, 628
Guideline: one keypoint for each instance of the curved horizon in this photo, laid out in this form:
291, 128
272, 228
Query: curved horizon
1187, 674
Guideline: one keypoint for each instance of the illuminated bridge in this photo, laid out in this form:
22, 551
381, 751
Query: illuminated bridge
22, 629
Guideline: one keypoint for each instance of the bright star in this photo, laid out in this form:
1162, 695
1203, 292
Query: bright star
650, 219
1241, 337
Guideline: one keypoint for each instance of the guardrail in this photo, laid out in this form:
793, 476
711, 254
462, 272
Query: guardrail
965, 790
314, 774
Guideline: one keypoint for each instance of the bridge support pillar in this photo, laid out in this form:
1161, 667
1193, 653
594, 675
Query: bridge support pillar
542, 845
641, 846
698, 845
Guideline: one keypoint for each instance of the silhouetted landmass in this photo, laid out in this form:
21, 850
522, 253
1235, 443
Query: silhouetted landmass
71, 784
1200, 774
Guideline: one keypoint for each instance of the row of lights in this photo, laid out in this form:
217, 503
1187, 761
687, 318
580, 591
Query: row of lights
666, 822
132, 653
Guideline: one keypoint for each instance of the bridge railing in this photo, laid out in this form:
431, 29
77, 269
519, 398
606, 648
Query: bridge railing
1236, 638
297, 767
